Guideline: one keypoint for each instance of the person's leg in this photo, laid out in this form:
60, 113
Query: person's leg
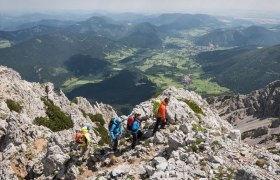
115, 145
139, 134
162, 126
156, 125
134, 140
84, 151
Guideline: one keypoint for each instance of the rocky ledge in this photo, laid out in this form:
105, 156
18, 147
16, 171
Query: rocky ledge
197, 144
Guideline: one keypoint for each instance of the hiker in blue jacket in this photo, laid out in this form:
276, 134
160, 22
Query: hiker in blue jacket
116, 132
135, 130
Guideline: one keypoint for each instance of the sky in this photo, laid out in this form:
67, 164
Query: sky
140, 5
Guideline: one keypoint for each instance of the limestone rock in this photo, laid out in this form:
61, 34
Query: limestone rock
177, 139
55, 160
160, 163
247, 173
159, 138
6, 171
235, 135
260, 131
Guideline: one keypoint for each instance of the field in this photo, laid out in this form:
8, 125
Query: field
5, 44
172, 65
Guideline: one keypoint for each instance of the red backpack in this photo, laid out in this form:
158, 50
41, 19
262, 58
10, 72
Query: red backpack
129, 123
79, 138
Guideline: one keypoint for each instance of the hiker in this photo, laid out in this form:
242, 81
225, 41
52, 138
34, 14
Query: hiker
161, 115
135, 130
115, 128
83, 139
47, 90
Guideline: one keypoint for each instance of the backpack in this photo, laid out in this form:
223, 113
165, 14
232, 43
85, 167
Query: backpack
79, 138
111, 123
129, 123
156, 106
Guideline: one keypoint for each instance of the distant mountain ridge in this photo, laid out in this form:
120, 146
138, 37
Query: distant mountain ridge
47, 22
143, 35
243, 69
26, 34
99, 26
42, 58
253, 35
177, 21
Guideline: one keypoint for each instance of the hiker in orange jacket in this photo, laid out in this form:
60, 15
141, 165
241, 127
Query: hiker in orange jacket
161, 115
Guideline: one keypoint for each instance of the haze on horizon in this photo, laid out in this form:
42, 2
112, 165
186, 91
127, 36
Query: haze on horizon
140, 5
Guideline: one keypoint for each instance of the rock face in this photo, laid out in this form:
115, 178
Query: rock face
29, 150
197, 144
257, 114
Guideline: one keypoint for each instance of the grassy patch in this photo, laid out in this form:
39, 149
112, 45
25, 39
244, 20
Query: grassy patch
4, 116
75, 100
215, 144
57, 120
5, 44
198, 128
196, 146
194, 106
84, 113
81, 170
13, 106
227, 174
206, 87
247, 134
102, 131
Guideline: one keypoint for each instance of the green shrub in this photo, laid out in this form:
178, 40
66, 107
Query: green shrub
97, 118
84, 113
198, 128
75, 100
227, 174
216, 144
102, 131
247, 134
13, 106
57, 120
198, 141
194, 106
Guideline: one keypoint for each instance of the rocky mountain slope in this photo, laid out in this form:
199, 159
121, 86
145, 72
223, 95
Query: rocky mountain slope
198, 143
257, 114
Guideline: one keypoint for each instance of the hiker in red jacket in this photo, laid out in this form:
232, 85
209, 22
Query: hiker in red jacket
161, 115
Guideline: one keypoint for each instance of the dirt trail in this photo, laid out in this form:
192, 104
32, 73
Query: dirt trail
120, 161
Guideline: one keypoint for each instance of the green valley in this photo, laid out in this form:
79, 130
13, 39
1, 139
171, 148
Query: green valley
123, 61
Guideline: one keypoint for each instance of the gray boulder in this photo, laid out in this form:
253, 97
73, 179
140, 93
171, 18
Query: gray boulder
176, 139
150, 170
247, 173
186, 128
260, 131
6, 171
235, 135
160, 163
54, 160
275, 123
159, 138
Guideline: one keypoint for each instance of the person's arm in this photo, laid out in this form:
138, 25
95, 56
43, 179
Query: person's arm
162, 112
120, 130
135, 127
87, 139
112, 132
